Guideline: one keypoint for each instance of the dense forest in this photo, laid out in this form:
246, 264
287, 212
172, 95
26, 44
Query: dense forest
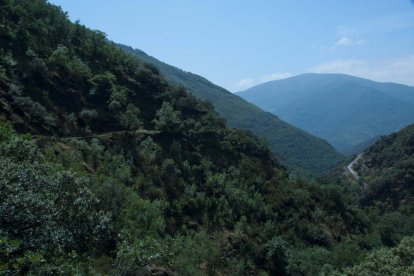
107, 168
387, 170
302, 153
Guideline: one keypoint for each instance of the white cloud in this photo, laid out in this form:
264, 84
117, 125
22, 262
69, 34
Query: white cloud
339, 65
275, 76
341, 42
249, 82
244, 83
399, 70
346, 41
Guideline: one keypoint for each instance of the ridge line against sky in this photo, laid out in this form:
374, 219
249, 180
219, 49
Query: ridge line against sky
239, 44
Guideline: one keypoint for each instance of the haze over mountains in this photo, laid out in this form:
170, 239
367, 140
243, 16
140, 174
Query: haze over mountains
347, 111
299, 150
109, 168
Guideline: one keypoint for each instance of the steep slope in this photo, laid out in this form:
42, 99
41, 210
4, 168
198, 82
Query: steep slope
344, 110
297, 149
108, 169
385, 186
387, 168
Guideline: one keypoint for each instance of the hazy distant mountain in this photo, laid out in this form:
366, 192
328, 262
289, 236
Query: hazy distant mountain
361, 146
297, 149
345, 110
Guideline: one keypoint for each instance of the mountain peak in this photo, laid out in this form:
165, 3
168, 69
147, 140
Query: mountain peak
345, 110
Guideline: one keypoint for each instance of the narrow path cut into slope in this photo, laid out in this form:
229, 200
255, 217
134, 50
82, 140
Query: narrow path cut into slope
106, 135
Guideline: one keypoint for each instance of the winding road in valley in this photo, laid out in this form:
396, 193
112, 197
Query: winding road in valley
351, 170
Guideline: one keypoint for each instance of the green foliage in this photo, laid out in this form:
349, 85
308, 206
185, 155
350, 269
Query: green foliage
141, 218
125, 173
10, 262
130, 119
276, 254
6, 131
136, 256
88, 114
387, 168
7, 64
118, 99
45, 212
60, 57
308, 261
117, 167
198, 255
102, 84
387, 261
37, 66
61, 60
167, 119
301, 152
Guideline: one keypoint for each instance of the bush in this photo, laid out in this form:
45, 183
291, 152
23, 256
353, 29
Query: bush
167, 119
46, 208
88, 114
130, 119
33, 111
387, 261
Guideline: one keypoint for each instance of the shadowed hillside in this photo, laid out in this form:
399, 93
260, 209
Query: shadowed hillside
107, 168
297, 149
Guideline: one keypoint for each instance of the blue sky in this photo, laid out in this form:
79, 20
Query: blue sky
239, 43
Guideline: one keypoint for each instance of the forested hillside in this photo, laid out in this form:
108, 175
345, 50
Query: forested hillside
108, 169
387, 168
301, 152
346, 111
386, 191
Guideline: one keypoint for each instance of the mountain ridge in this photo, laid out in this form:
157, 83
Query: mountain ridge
107, 168
296, 148
345, 110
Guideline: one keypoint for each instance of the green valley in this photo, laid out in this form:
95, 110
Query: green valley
303, 153
109, 166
